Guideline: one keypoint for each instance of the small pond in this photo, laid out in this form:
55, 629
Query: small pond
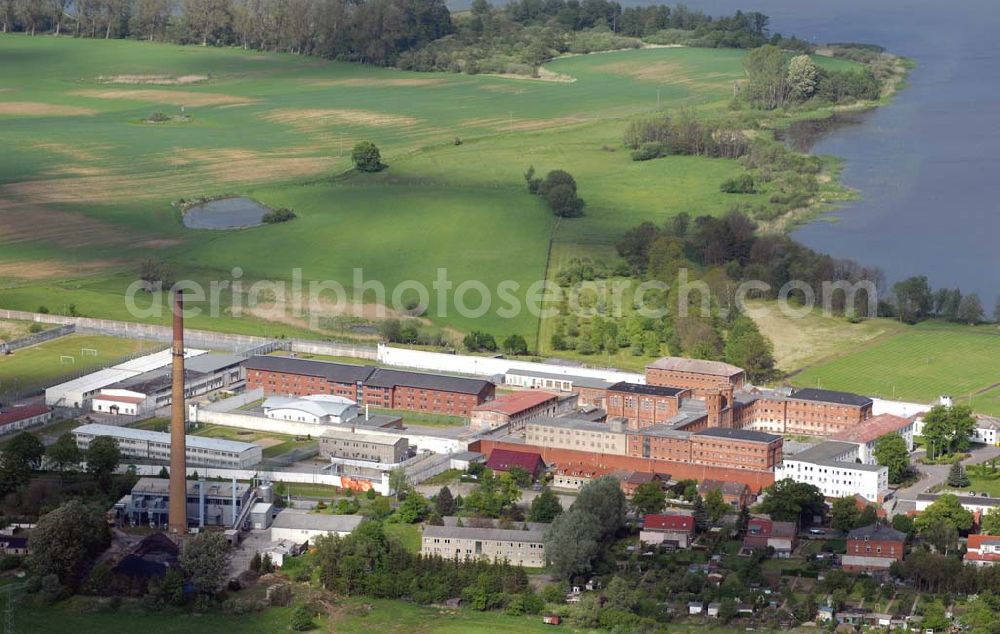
225, 213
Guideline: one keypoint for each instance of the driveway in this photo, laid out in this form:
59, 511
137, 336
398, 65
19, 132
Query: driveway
936, 474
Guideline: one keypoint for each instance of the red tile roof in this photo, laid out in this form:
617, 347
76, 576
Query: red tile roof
21, 412
515, 403
669, 522
505, 459
976, 541
873, 428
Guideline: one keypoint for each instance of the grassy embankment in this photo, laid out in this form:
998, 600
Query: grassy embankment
884, 358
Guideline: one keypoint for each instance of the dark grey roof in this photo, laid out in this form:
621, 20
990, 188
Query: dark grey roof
830, 396
828, 453
738, 434
568, 422
212, 362
971, 500
877, 532
386, 378
532, 535
638, 388
336, 372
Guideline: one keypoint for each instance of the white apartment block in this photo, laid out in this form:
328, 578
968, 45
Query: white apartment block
832, 467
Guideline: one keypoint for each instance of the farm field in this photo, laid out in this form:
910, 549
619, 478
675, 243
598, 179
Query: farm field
918, 363
75, 218
44, 363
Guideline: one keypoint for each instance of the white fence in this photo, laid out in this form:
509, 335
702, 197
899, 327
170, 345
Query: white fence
254, 422
491, 366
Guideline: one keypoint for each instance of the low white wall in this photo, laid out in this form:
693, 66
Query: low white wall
198, 414
490, 367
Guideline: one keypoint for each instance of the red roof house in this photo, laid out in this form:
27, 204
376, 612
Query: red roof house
674, 525
983, 550
506, 459
22, 416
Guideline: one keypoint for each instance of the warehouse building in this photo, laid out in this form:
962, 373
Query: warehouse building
151, 390
79, 392
319, 409
348, 445
144, 444
21, 417
301, 527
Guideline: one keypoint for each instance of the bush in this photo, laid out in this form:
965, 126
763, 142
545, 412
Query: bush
158, 117
742, 184
302, 619
278, 215
35, 328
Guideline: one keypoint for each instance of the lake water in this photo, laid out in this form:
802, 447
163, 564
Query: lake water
928, 165
225, 213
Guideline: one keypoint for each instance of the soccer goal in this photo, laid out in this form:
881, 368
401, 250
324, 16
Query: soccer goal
66, 359
88, 352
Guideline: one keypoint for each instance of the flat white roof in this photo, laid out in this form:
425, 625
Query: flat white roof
145, 435
109, 376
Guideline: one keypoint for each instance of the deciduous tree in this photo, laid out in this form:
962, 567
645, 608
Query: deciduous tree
204, 560
64, 452
649, 497
545, 507
66, 539
890, 452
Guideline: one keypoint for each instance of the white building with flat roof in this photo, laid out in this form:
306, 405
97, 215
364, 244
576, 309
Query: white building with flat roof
833, 468
155, 445
79, 391
300, 527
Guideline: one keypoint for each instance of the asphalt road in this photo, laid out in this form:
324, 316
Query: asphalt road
904, 499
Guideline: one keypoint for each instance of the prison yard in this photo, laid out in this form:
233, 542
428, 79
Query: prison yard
45, 363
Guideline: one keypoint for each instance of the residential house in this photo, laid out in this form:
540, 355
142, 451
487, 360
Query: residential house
675, 526
983, 550
763, 532
872, 549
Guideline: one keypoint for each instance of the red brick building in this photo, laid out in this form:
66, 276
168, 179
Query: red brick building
809, 411
873, 548
736, 448
698, 375
644, 405
367, 385
436, 393
516, 408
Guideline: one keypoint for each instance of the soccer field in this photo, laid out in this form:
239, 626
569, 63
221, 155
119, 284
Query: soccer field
47, 362
919, 363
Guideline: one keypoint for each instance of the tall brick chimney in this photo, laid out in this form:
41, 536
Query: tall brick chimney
177, 520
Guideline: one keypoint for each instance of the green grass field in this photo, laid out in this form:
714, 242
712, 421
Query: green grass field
44, 363
78, 216
352, 616
919, 363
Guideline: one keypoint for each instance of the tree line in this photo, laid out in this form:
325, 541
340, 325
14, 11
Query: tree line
394, 32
